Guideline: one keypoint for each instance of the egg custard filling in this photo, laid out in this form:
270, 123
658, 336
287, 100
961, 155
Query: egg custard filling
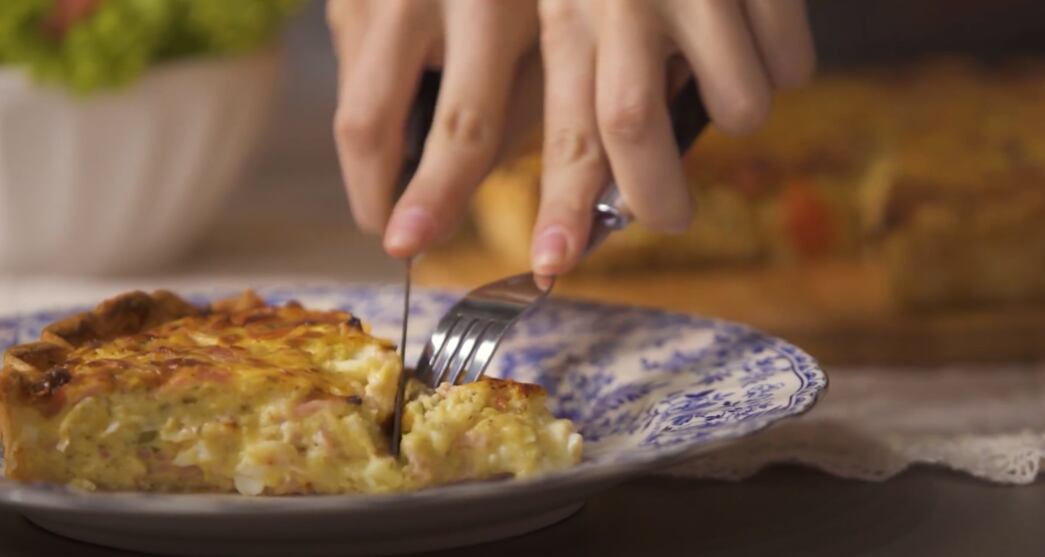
150, 393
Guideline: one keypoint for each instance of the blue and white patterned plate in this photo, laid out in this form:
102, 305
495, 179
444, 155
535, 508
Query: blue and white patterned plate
647, 389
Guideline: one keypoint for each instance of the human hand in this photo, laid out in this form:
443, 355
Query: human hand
605, 105
383, 46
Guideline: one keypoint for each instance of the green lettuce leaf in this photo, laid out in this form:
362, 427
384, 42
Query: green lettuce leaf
118, 40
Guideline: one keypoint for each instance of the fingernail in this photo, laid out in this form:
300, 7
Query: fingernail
543, 282
407, 231
549, 250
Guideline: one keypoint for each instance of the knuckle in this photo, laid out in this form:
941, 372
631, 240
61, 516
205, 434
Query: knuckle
560, 24
744, 113
466, 127
628, 118
359, 130
569, 145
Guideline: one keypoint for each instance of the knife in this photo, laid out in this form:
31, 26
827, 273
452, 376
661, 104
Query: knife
418, 125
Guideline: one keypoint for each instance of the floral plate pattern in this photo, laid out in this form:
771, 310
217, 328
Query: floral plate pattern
646, 388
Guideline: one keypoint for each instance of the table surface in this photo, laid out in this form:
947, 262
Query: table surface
781, 512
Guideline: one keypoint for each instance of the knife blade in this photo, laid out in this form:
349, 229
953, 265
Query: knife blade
404, 375
406, 311
417, 127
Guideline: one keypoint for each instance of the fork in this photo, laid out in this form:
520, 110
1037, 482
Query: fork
467, 336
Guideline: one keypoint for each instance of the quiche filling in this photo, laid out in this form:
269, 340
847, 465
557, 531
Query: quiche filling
149, 393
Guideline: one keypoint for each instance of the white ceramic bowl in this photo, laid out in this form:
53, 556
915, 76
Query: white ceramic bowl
125, 181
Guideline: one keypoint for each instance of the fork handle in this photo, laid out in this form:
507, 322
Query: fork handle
688, 119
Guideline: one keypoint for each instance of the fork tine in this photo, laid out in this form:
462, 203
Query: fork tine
466, 350
433, 347
467, 336
449, 349
424, 363
484, 351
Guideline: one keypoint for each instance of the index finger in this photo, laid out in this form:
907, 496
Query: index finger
378, 81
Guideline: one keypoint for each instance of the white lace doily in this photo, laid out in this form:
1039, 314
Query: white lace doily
874, 423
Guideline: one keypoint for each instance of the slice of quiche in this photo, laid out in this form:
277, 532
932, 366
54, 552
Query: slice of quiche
150, 393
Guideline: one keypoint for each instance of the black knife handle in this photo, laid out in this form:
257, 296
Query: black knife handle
688, 116
418, 124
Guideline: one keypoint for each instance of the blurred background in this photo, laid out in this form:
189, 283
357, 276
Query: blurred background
894, 211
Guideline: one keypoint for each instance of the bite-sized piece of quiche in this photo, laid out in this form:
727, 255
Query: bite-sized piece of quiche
150, 393
485, 429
